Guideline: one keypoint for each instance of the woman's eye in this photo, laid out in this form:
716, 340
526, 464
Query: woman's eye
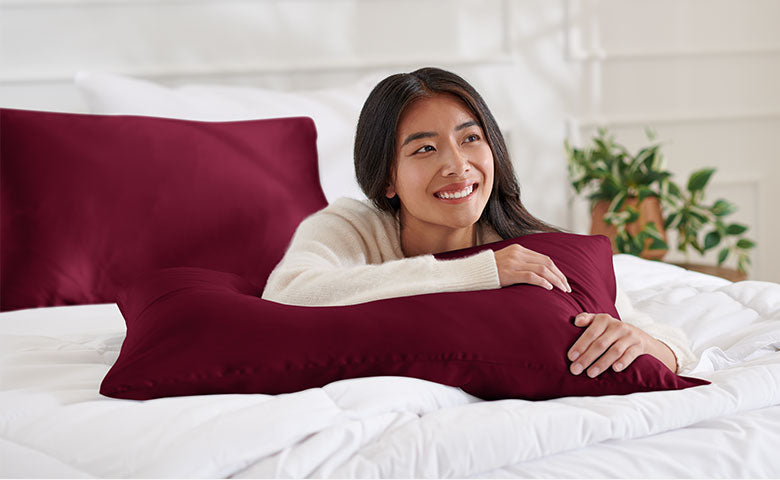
425, 149
472, 138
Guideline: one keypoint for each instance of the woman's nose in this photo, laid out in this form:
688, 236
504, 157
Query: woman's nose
457, 163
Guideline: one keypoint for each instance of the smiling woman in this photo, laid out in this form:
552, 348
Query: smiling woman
443, 175
431, 159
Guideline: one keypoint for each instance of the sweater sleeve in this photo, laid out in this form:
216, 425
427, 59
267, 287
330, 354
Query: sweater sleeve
671, 336
336, 259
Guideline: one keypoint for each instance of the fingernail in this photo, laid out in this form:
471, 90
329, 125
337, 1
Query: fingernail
618, 367
549, 286
576, 369
573, 355
593, 372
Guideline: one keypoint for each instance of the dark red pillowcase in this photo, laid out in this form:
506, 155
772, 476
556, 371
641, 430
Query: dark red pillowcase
91, 201
193, 331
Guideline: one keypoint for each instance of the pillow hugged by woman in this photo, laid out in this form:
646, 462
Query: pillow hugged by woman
434, 165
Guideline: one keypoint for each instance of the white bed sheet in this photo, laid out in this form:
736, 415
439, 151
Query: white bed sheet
53, 422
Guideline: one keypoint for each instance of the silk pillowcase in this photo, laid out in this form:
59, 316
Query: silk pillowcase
89, 202
194, 331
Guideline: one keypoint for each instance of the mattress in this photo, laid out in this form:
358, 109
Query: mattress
54, 423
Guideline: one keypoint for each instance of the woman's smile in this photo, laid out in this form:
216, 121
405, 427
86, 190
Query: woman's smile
457, 193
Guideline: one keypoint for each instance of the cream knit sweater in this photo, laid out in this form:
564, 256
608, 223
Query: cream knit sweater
350, 252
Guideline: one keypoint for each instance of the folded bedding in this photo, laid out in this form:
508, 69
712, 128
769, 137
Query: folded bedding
53, 420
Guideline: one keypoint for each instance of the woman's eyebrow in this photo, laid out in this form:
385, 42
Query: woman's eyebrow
419, 135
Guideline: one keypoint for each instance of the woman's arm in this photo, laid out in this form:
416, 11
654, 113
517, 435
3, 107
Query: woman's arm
349, 253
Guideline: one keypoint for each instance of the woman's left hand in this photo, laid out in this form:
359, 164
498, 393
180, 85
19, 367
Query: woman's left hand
611, 343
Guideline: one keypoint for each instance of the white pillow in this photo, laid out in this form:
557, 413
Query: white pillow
335, 112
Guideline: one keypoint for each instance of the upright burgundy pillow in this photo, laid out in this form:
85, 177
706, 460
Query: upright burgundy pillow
91, 201
194, 331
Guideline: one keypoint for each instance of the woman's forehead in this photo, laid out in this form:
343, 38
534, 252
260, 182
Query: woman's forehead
438, 110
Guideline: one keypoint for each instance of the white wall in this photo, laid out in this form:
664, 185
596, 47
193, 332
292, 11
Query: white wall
704, 73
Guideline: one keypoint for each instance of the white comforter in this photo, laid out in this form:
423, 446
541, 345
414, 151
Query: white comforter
54, 423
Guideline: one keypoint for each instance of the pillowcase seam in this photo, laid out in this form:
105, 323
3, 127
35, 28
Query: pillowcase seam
254, 370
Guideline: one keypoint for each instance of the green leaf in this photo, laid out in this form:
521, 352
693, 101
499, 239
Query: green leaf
722, 256
711, 240
721, 208
736, 229
658, 244
652, 231
633, 214
616, 218
637, 245
620, 244
698, 213
720, 227
742, 263
645, 192
745, 243
672, 220
699, 179
674, 190
617, 202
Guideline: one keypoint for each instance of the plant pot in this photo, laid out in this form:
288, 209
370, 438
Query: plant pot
649, 211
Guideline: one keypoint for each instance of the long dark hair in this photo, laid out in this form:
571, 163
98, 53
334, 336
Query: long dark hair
375, 146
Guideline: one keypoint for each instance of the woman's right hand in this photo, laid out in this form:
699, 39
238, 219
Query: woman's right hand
517, 264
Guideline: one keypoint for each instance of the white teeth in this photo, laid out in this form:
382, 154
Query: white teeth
466, 191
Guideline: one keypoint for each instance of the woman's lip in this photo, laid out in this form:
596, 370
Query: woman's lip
454, 187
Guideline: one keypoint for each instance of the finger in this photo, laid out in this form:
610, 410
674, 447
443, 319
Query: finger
610, 357
583, 319
596, 339
599, 347
535, 279
554, 270
546, 273
585, 339
547, 262
627, 358
561, 275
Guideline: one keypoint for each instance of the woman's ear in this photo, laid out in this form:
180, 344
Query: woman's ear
390, 191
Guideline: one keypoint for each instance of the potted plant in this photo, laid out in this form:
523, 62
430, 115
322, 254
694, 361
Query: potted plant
634, 201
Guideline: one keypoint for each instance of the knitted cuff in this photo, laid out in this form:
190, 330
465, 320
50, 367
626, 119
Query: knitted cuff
477, 272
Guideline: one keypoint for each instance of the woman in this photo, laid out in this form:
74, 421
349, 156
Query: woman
431, 159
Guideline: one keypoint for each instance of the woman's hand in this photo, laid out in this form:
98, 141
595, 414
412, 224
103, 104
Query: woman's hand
611, 343
517, 264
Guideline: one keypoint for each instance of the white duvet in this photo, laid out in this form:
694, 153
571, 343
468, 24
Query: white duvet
53, 423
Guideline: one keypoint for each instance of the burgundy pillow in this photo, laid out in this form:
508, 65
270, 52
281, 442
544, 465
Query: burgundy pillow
91, 201
193, 331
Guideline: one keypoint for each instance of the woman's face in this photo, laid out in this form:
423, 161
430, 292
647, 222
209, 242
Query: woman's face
444, 166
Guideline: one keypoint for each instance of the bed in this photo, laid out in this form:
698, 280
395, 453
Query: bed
55, 423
